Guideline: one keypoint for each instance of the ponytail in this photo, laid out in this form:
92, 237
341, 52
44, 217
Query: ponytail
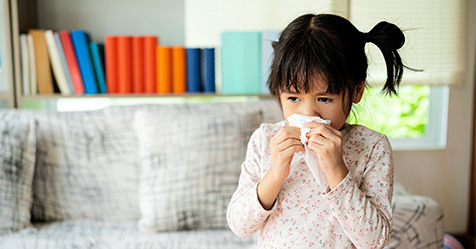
388, 38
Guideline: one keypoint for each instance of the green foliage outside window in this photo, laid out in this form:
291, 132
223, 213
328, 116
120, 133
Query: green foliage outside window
402, 116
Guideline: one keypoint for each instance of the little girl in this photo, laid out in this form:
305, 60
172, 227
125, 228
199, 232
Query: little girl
319, 70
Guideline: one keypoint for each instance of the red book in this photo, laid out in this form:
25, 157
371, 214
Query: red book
124, 64
110, 51
138, 64
150, 64
164, 69
179, 84
78, 86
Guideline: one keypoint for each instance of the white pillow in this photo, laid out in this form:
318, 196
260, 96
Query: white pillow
190, 166
17, 164
87, 167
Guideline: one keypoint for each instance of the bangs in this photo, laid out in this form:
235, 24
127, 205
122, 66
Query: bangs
298, 63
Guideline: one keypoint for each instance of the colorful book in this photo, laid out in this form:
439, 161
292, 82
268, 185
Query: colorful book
179, 84
25, 64
56, 64
70, 54
124, 64
64, 63
150, 64
98, 68
111, 64
42, 62
208, 70
193, 70
31, 53
241, 62
138, 84
164, 69
267, 54
81, 42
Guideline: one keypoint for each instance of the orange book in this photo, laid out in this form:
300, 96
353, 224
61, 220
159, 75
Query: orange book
42, 62
110, 51
150, 65
179, 84
124, 64
164, 69
138, 64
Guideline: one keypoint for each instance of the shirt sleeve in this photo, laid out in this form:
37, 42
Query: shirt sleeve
365, 211
245, 215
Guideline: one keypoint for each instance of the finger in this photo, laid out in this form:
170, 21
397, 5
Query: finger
290, 142
323, 145
287, 131
326, 131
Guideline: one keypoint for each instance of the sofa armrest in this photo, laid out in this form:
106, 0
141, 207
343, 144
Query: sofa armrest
417, 221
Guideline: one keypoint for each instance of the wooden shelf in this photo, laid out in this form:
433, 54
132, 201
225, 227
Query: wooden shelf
187, 95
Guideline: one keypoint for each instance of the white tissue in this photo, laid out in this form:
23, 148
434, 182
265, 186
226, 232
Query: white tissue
310, 157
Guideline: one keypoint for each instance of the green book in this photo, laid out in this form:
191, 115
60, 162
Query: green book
241, 62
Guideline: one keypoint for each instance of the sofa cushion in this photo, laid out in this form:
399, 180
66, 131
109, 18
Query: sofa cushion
190, 166
17, 163
79, 234
87, 167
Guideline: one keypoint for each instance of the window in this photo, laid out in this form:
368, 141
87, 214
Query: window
416, 119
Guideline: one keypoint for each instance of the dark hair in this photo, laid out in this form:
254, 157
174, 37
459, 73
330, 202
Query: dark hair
330, 48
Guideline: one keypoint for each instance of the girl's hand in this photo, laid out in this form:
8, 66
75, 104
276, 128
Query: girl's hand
327, 143
283, 145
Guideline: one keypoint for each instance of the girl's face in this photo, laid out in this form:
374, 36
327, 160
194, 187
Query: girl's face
319, 103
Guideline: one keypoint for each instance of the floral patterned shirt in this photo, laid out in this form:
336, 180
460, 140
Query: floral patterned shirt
357, 213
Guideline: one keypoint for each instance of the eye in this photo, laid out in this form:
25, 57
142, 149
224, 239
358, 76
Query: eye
293, 99
324, 100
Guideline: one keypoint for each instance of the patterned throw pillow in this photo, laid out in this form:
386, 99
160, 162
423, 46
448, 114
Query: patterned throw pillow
17, 164
87, 167
190, 166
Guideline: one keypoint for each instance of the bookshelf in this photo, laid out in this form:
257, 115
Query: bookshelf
163, 18
6, 69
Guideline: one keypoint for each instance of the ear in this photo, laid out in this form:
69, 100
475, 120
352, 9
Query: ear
358, 93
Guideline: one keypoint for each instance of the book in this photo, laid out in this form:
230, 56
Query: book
42, 62
267, 54
164, 69
70, 54
31, 53
81, 42
124, 64
241, 59
193, 70
111, 63
25, 64
138, 84
208, 70
56, 64
64, 63
179, 84
150, 64
98, 68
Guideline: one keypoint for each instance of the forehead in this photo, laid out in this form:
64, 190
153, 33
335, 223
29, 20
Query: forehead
315, 85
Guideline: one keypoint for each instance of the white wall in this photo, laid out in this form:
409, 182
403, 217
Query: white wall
164, 18
444, 175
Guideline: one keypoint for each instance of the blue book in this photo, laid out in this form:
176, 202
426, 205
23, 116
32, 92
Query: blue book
98, 66
241, 62
192, 58
59, 44
267, 54
208, 70
81, 42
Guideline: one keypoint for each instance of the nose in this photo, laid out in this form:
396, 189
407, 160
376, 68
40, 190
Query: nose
310, 109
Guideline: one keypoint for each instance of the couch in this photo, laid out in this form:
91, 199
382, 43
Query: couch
146, 176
